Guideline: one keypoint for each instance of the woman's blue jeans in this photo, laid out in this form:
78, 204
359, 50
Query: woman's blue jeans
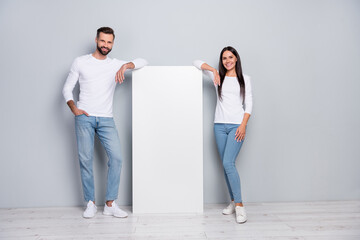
228, 149
104, 127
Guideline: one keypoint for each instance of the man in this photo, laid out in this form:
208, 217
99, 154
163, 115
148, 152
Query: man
97, 75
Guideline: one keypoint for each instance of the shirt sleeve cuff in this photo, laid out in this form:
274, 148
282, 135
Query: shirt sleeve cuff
139, 63
198, 63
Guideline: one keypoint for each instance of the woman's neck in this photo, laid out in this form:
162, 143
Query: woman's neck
231, 73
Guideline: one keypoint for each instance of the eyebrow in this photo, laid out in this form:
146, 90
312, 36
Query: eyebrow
105, 41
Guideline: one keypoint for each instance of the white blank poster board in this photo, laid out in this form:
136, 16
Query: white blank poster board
167, 140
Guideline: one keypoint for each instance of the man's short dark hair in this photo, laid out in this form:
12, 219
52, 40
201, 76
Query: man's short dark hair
106, 30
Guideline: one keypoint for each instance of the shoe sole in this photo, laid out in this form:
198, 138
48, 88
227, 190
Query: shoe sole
241, 222
228, 213
110, 214
89, 217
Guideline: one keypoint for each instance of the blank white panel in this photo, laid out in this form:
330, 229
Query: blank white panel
167, 140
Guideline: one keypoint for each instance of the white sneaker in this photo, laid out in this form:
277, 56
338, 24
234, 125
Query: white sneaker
90, 210
229, 209
114, 210
240, 214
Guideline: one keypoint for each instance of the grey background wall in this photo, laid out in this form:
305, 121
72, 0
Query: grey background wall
303, 137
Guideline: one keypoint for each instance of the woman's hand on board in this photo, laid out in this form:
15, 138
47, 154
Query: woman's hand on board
216, 77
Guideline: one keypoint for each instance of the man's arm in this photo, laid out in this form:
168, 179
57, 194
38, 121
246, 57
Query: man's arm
135, 64
70, 83
120, 75
75, 110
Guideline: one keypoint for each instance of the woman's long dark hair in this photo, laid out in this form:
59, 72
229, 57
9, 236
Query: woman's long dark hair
238, 69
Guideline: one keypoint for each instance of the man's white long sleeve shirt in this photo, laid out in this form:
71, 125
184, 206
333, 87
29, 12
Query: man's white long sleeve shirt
97, 83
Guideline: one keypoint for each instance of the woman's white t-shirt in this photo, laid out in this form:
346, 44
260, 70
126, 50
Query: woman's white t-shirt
230, 109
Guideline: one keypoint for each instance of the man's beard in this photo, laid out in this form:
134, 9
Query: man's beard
102, 51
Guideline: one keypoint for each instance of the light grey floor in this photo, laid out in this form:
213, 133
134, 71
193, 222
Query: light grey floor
300, 220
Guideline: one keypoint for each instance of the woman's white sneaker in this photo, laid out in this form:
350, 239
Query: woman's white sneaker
240, 214
114, 210
90, 210
230, 209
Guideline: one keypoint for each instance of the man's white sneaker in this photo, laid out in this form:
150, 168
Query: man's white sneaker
240, 214
230, 209
90, 210
114, 210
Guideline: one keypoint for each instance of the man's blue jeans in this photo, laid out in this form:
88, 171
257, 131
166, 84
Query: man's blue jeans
104, 127
228, 149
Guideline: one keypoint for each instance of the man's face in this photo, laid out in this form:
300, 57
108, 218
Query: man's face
104, 43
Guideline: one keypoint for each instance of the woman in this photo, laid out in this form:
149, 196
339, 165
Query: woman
233, 91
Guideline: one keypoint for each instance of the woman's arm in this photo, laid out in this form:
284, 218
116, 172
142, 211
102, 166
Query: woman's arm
210, 71
248, 95
241, 130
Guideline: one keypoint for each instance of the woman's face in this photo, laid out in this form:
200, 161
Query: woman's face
229, 60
